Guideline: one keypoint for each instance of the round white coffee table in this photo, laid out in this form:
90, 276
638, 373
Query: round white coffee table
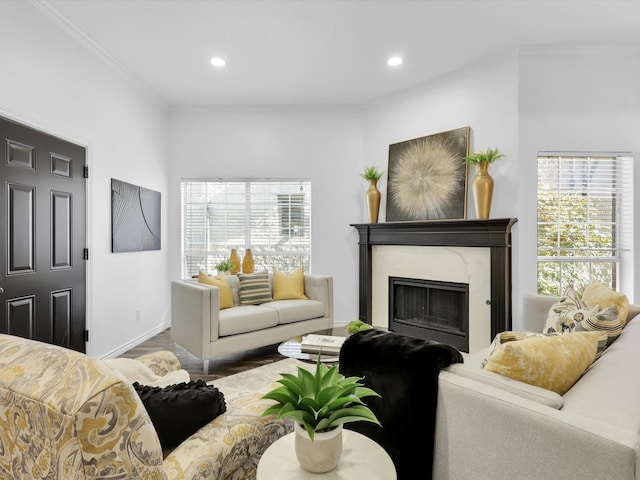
361, 458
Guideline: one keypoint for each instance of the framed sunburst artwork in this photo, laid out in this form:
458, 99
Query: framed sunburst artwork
427, 177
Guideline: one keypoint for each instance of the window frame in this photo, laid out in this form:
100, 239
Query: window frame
244, 209
595, 191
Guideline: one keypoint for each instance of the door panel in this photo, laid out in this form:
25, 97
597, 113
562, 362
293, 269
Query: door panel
42, 237
21, 215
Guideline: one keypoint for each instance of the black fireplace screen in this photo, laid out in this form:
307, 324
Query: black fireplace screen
430, 309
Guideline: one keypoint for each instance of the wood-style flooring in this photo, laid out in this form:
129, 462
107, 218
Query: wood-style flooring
218, 367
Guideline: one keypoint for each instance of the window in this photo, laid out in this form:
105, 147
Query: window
272, 217
584, 219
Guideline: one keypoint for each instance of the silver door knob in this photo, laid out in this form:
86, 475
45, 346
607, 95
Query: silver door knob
1, 290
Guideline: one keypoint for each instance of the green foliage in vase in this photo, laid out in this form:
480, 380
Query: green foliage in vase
372, 173
355, 326
225, 266
489, 155
322, 400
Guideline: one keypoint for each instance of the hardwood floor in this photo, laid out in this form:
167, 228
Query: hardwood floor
219, 367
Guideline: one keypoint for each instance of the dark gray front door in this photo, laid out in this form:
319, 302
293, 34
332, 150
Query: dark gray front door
42, 237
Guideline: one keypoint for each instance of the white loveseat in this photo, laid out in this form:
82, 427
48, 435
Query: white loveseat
492, 427
198, 324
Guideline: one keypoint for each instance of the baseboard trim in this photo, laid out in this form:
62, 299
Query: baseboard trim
136, 341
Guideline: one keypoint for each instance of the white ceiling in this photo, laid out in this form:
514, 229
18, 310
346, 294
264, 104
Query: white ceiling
302, 52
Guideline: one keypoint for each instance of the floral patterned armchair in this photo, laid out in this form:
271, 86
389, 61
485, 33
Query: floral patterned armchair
64, 415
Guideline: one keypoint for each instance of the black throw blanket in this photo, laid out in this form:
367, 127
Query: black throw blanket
404, 371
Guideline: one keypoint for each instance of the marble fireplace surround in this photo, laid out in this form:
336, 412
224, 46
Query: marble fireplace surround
476, 252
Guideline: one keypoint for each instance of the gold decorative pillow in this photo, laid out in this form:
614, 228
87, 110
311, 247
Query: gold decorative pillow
553, 362
509, 336
597, 294
220, 281
288, 286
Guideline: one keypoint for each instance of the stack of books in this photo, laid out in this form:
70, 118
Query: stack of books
326, 344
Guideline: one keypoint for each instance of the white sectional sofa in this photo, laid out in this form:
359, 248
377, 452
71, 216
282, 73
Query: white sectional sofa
493, 427
198, 324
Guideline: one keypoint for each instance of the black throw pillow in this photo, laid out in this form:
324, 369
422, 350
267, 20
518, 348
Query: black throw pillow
180, 410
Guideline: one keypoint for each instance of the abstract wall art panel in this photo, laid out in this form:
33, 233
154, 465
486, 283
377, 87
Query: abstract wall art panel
135, 218
428, 177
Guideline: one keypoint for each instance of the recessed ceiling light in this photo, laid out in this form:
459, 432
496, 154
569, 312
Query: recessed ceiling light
394, 61
218, 62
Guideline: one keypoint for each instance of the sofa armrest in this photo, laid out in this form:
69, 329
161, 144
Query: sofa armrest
161, 362
195, 310
320, 287
483, 432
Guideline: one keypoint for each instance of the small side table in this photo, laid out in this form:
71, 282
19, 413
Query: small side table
361, 458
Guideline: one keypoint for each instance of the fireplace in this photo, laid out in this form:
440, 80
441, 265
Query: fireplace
472, 252
430, 309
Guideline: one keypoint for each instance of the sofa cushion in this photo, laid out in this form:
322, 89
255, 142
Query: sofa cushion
597, 294
551, 362
246, 318
290, 311
178, 411
288, 286
220, 281
254, 288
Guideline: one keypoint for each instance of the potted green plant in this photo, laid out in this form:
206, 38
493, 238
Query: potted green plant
372, 175
320, 403
482, 183
355, 326
489, 155
224, 266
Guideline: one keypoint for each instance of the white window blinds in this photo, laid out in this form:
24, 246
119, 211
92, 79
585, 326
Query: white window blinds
584, 218
272, 217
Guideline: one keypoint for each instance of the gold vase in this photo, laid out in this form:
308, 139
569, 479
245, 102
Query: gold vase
235, 259
373, 200
247, 262
482, 186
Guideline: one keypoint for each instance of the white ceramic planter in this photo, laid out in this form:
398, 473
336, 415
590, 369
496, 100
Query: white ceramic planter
321, 454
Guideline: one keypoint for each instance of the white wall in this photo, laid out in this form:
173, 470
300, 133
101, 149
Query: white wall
483, 97
321, 144
575, 100
51, 82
